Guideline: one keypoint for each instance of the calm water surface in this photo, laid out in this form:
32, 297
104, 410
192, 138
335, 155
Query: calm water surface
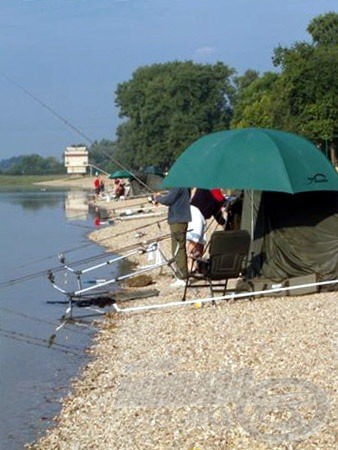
35, 228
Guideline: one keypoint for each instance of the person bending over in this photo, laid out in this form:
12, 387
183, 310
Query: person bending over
204, 204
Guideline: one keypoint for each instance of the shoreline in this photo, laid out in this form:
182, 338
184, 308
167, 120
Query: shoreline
194, 378
81, 182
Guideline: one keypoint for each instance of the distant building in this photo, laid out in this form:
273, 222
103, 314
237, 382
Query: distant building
76, 159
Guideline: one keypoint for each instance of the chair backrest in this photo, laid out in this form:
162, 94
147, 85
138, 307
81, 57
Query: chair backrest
227, 252
135, 188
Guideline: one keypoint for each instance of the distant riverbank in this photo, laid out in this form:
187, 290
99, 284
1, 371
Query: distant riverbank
83, 182
38, 181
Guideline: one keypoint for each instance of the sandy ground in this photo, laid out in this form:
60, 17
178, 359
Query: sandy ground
85, 182
246, 374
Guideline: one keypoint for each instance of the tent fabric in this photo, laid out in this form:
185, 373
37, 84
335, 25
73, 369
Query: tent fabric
294, 235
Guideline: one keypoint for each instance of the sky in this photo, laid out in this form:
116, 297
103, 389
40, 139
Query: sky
62, 60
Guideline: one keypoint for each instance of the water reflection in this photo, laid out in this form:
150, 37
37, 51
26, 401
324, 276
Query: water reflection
34, 201
76, 206
32, 375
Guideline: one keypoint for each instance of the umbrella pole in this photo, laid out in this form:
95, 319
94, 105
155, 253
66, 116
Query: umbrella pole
252, 217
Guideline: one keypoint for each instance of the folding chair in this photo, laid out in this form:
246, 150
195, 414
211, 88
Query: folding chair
228, 252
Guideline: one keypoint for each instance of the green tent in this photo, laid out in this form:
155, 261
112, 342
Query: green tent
293, 235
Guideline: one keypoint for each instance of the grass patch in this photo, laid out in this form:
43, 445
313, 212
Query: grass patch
22, 181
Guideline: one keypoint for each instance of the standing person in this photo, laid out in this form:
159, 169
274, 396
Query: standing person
178, 201
204, 204
102, 185
97, 185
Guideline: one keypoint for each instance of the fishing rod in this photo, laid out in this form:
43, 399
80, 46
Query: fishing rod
45, 272
80, 133
90, 243
140, 248
72, 127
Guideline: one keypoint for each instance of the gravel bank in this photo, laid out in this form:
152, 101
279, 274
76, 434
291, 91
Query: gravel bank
256, 374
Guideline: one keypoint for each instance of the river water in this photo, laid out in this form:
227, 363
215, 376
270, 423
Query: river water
35, 228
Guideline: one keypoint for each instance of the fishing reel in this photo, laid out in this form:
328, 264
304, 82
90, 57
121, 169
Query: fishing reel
62, 258
151, 199
51, 276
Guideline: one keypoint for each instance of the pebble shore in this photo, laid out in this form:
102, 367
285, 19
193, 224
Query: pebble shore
244, 374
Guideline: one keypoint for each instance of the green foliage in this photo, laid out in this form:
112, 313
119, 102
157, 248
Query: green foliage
254, 103
35, 165
168, 106
245, 80
324, 29
124, 149
25, 181
303, 96
102, 155
308, 89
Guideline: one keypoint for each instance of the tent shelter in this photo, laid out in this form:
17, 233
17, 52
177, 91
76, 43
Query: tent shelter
291, 197
294, 235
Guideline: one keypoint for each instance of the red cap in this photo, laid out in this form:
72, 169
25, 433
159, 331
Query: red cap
217, 194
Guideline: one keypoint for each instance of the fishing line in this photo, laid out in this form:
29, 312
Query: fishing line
75, 129
45, 272
48, 108
101, 255
27, 341
36, 319
72, 127
90, 243
119, 250
41, 342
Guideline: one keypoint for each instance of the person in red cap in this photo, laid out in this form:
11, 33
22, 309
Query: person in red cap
204, 204
96, 185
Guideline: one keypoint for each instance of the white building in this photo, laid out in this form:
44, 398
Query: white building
76, 159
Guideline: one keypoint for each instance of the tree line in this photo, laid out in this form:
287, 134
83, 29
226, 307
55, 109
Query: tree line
31, 165
165, 107
168, 106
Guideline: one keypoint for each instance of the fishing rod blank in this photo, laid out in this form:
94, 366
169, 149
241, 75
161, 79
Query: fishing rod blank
45, 272
72, 127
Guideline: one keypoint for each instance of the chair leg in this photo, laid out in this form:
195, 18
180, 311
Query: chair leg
211, 291
225, 286
185, 289
187, 281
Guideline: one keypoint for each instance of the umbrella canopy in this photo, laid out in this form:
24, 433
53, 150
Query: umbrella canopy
120, 174
253, 158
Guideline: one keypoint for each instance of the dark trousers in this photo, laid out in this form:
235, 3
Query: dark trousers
178, 247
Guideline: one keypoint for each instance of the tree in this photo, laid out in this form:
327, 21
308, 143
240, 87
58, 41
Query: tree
102, 155
35, 165
168, 106
253, 106
324, 29
124, 148
308, 84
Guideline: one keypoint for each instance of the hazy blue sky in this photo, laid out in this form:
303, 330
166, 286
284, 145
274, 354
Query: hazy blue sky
71, 54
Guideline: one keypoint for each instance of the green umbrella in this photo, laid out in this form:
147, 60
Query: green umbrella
253, 158
121, 174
